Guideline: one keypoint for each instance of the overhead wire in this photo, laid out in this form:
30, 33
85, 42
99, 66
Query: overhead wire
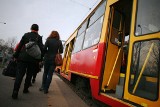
80, 4
89, 10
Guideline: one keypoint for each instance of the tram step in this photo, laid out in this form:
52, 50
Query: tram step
119, 91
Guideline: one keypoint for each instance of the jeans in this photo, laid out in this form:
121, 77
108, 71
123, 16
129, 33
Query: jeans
49, 68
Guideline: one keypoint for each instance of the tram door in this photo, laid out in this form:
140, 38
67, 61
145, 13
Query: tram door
113, 50
67, 56
142, 84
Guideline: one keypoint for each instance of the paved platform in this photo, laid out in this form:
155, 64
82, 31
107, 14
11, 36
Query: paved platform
60, 95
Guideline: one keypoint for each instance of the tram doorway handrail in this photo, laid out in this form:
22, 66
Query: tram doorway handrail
144, 65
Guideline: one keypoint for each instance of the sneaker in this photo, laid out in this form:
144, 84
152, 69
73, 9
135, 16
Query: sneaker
25, 91
14, 95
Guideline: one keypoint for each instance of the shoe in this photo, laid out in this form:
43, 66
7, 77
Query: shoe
25, 91
41, 89
45, 91
14, 95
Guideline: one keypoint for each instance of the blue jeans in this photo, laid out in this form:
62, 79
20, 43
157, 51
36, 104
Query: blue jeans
49, 68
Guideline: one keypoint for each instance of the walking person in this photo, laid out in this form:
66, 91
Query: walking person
25, 62
51, 48
34, 72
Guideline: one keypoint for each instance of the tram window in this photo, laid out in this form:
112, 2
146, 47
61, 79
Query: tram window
98, 13
83, 28
116, 35
92, 35
145, 68
78, 43
148, 15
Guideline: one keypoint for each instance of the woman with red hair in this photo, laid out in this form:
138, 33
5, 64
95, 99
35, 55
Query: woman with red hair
51, 48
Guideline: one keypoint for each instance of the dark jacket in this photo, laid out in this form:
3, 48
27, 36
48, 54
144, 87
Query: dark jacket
21, 54
51, 48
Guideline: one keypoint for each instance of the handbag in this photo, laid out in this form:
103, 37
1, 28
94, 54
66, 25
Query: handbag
58, 59
11, 68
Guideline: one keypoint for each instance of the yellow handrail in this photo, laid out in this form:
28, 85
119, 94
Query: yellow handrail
144, 65
114, 67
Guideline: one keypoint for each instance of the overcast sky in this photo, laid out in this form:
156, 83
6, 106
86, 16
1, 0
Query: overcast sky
61, 15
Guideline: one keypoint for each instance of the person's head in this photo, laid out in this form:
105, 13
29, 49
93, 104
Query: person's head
34, 27
54, 34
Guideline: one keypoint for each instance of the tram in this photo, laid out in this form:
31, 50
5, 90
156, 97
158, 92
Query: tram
115, 53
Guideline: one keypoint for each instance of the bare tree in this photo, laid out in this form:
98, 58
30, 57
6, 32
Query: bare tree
11, 42
2, 42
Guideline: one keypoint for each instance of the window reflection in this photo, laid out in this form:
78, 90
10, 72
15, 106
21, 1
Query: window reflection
78, 43
93, 33
83, 28
98, 13
145, 69
148, 15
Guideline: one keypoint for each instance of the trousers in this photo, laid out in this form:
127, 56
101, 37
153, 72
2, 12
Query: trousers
24, 68
49, 68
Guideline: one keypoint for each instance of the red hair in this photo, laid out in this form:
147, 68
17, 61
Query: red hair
54, 34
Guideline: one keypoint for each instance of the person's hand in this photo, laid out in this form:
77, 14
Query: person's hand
41, 64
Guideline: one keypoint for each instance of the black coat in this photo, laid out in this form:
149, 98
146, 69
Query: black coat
21, 54
51, 47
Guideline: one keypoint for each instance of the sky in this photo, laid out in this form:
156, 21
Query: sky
61, 15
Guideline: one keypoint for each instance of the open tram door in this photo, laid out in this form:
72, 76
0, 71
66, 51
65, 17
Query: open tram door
142, 84
67, 54
118, 28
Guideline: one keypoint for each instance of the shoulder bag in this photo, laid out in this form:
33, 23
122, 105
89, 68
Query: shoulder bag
33, 49
58, 58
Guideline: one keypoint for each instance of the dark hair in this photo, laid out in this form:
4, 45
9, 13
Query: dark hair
35, 27
54, 34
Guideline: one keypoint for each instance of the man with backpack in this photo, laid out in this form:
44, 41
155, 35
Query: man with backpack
25, 62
